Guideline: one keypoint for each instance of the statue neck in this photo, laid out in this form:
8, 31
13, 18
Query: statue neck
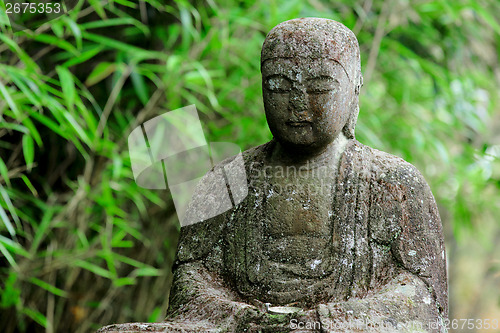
330, 155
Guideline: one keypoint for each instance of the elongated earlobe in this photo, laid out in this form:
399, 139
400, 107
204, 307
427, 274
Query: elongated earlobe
350, 125
359, 85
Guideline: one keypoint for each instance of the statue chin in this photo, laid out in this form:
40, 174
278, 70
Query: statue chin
307, 144
302, 148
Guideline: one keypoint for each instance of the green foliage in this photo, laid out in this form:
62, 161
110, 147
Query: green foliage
82, 245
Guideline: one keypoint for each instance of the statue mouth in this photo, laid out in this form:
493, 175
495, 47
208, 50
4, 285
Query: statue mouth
301, 123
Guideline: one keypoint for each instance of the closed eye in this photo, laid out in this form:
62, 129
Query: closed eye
321, 85
278, 84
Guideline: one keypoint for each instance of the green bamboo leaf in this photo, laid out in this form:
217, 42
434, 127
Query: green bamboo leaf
134, 51
28, 91
100, 72
6, 222
123, 243
29, 185
122, 224
52, 125
42, 229
10, 206
77, 33
58, 29
140, 87
155, 315
83, 239
116, 22
159, 5
28, 151
107, 255
78, 129
36, 316
10, 293
84, 56
91, 118
8, 98
23, 56
147, 271
14, 247
4, 172
15, 127
47, 286
129, 261
7, 254
125, 281
53, 40
68, 86
33, 131
99, 9
487, 17
93, 268
126, 3
118, 241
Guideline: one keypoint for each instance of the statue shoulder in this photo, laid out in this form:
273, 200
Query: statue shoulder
395, 171
398, 193
397, 183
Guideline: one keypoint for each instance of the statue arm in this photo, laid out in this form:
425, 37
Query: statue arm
403, 304
417, 295
199, 294
419, 246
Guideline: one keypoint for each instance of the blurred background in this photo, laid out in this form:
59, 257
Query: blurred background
81, 245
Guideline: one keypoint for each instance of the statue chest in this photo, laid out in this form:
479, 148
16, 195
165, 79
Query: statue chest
298, 210
296, 223
298, 203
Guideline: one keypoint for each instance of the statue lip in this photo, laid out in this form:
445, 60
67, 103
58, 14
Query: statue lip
300, 123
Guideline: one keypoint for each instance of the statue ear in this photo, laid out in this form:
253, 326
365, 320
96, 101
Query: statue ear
351, 122
359, 85
353, 117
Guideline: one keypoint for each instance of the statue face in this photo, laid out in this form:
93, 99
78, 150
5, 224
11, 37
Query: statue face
307, 101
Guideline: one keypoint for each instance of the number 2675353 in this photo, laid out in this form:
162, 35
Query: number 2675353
29, 7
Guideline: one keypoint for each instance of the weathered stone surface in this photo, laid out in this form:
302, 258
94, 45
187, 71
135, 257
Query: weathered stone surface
348, 234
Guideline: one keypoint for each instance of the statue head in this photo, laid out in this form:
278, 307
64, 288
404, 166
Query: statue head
311, 76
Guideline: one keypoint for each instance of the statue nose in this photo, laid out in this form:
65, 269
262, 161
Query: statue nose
298, 102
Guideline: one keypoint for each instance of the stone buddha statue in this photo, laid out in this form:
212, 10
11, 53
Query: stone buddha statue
333, 235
